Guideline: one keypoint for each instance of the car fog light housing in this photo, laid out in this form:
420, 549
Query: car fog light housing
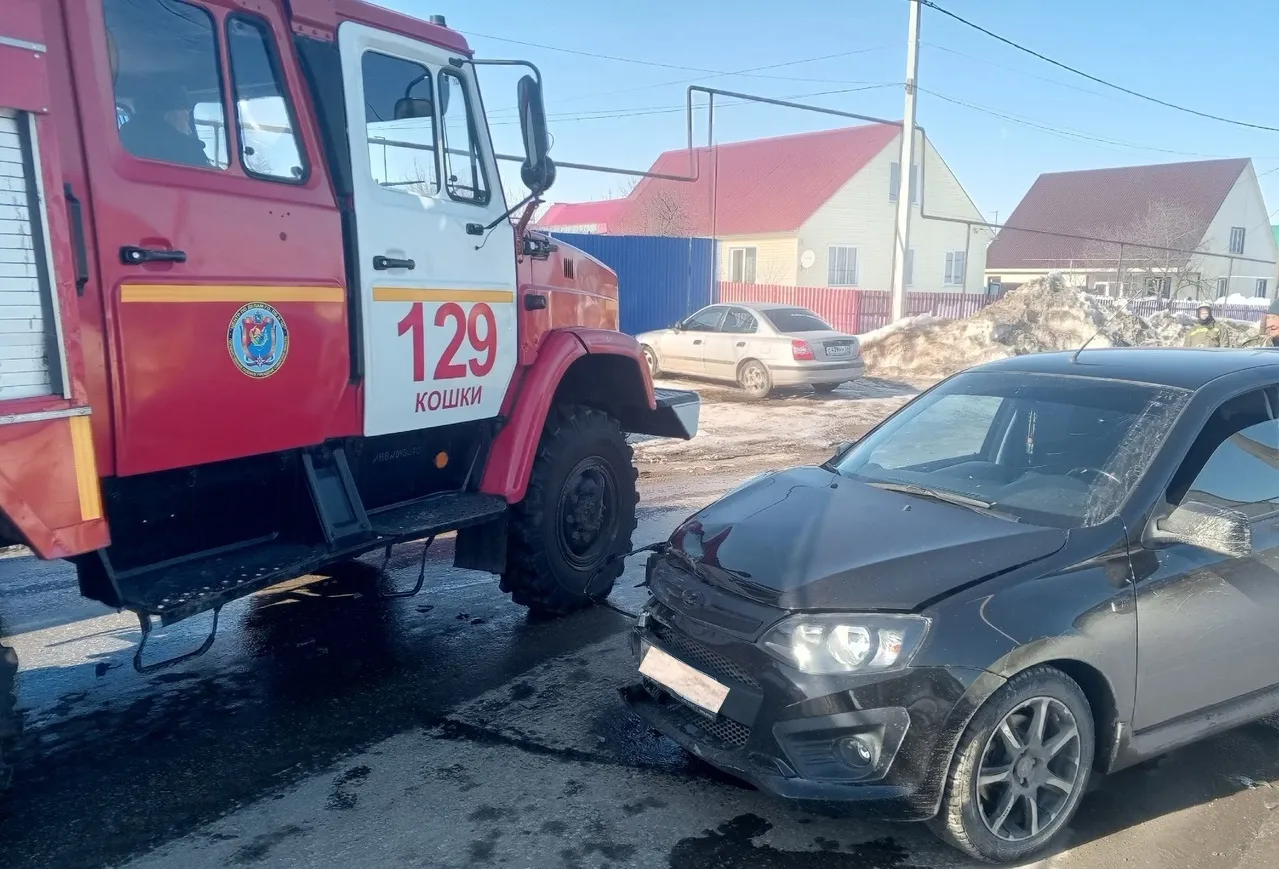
859, 752
832, 644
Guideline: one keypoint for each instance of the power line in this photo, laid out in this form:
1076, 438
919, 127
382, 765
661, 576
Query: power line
1019, 72
712, 72
1101, 81
1067, 132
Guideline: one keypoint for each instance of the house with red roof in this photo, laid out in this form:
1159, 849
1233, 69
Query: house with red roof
1196, 230
814, 209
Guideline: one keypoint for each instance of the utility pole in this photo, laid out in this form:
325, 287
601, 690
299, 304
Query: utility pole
901, 239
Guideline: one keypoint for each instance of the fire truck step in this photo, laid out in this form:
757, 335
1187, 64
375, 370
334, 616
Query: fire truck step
436, 514
181, 590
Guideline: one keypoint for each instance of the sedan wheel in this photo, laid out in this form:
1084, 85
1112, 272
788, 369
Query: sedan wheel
1020, 770
755, 379
650, 359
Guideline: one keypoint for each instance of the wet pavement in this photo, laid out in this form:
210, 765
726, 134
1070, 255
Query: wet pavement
329, 727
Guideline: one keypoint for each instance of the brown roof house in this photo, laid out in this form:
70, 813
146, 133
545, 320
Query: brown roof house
1195, 230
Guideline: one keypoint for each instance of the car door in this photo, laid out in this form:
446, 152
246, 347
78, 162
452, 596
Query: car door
1207, 623
723, 349
437, 289
683, 350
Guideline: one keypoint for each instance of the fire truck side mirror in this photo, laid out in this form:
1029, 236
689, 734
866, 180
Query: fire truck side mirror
407, 108
538, 171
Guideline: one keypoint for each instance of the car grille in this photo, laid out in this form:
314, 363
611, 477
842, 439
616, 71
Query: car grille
697, 655
720, 731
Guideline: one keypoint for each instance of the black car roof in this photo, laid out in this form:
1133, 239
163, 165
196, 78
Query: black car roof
1182, 368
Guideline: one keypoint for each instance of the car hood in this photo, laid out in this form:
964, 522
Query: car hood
809, 539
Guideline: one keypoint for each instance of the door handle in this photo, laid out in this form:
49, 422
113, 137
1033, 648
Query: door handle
75, 217
382, 263
698, 341
741, 343
133, 256
534, 302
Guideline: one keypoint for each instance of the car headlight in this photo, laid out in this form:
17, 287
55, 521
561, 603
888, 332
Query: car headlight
825, 645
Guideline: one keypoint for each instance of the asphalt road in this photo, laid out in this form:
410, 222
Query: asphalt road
329, 727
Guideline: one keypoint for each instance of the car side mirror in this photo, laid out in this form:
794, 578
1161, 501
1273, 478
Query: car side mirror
677, 326
538, 171
1206, 526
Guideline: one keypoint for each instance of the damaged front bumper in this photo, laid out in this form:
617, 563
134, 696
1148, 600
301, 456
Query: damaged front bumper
882, 741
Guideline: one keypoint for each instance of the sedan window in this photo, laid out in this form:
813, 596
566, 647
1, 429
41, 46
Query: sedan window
706, 320
1059, 451
787, 320
1241, 472
738, 322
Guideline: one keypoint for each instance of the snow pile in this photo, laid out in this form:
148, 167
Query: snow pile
1238, 299
1040, 316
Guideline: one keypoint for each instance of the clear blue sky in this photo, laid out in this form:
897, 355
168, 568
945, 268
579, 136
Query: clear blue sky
1218, 57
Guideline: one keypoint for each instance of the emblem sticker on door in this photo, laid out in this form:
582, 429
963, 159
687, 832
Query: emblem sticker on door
258, 339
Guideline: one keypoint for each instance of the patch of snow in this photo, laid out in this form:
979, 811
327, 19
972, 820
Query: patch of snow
1239, 299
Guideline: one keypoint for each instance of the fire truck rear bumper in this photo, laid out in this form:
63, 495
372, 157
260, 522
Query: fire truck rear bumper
675, 416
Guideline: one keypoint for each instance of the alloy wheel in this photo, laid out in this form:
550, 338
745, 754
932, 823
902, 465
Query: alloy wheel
1029, 770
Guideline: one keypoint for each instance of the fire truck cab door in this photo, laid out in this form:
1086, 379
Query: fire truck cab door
437, 291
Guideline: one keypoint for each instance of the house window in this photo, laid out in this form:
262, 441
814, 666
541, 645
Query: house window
1236, 239
841, 267
895, 181
741, 265
1223, 287
954, 269
1262, 288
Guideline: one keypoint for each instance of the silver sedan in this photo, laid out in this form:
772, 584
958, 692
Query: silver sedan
758, 346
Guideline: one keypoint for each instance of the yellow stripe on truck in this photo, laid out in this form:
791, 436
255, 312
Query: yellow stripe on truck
86, 468
237, 293
412, 294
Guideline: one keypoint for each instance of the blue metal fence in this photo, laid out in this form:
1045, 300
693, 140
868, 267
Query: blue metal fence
660, 280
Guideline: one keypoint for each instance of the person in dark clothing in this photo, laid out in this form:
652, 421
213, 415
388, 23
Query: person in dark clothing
160, 128
1269, 329
1206, 333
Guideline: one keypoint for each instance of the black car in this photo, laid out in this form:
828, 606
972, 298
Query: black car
1042, 568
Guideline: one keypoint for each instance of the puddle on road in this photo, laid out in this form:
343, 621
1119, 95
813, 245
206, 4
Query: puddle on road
733, 844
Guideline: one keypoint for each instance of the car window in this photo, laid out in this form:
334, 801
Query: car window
953, 427
400, 119
796, 320
1241, 471
464, 176
1061, 451
738, 321
704, 321
269, 147
165, 66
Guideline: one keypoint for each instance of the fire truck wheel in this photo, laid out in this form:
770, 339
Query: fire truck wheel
9, 720
578, 514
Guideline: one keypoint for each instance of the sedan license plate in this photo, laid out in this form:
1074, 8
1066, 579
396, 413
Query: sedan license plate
837, 350
679, 678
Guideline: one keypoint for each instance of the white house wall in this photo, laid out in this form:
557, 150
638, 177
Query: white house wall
861, 215
1243, 206
776, 257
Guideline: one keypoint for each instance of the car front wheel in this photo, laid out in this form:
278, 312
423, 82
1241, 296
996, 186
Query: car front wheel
1020, 769
650, 359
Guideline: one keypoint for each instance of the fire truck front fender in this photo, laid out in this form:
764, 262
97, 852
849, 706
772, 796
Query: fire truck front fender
596, 368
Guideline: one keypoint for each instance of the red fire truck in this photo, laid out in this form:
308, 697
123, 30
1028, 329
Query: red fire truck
263, 307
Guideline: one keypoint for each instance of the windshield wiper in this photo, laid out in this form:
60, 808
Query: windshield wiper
936, 494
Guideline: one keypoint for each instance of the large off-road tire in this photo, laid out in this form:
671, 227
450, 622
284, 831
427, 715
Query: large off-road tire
10, 723
755, 378
1032, 744
566, 536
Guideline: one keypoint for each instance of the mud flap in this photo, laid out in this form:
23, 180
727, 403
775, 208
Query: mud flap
676, 415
